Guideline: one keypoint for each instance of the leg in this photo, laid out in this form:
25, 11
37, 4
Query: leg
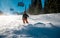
24, 21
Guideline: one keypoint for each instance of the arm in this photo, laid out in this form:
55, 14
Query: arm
27, 15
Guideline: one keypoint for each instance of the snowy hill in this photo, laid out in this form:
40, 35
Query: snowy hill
40, 26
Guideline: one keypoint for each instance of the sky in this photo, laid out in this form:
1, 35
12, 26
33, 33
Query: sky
5, 5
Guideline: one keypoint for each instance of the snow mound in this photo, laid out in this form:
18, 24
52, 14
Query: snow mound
48, 25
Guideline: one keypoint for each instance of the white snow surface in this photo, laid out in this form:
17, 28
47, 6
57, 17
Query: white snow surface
14, 22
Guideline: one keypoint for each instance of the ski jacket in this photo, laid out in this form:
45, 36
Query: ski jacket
25, 16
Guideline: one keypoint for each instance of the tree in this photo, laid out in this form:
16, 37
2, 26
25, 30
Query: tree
35, 7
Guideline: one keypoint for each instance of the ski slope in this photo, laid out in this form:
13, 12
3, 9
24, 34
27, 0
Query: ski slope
12, 25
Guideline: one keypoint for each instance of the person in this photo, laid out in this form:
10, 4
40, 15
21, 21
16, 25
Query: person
25, 16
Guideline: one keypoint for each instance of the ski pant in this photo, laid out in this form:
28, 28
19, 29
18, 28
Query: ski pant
25, 20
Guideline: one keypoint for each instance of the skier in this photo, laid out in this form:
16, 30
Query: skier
24, 18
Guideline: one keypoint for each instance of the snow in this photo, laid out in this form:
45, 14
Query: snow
12, 25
